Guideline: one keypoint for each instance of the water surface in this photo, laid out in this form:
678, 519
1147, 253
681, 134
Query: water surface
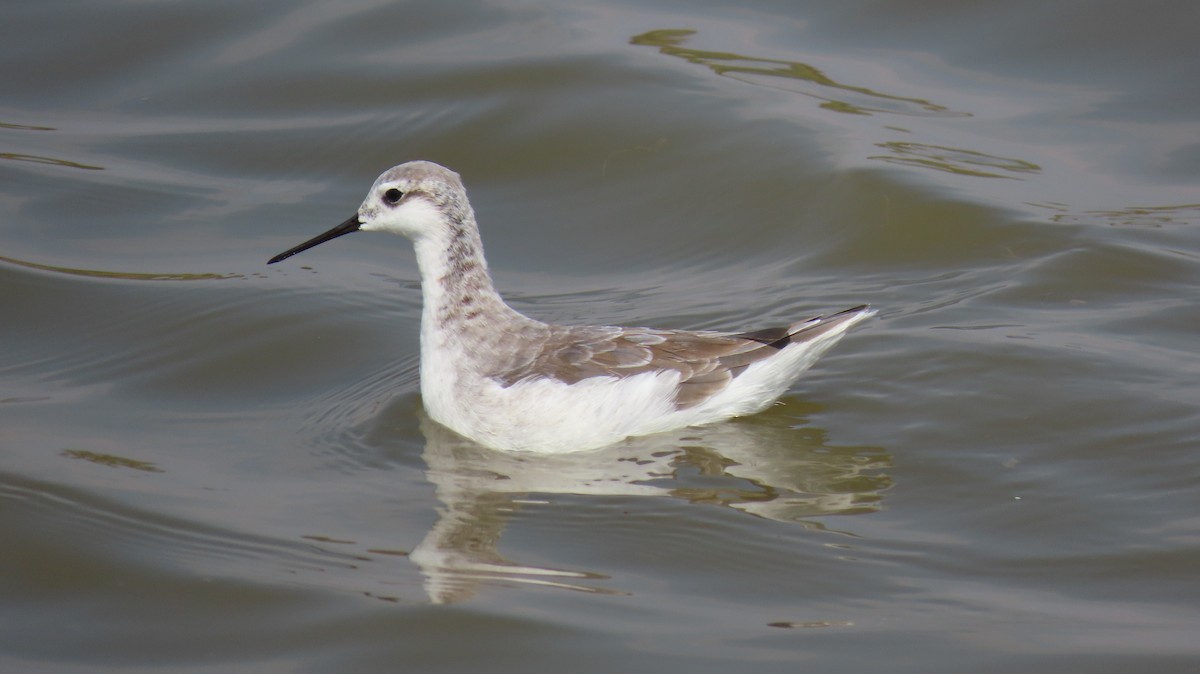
210, 465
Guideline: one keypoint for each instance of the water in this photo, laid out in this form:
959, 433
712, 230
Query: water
210, 465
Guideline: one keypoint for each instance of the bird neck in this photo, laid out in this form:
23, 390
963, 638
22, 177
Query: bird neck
456, 286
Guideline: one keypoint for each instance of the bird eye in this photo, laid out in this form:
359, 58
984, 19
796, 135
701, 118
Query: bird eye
393, 196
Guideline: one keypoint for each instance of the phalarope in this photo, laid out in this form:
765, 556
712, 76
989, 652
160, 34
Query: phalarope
510, 382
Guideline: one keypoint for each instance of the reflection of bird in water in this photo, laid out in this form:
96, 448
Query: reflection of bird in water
510, 382
768, 470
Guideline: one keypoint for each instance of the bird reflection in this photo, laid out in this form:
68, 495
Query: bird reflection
759, 467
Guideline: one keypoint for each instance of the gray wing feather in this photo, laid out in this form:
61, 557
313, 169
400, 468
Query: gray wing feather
706, 361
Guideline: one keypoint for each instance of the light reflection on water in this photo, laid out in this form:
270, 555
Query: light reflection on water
756, 468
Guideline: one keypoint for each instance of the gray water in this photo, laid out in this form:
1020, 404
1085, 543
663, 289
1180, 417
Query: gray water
211, 465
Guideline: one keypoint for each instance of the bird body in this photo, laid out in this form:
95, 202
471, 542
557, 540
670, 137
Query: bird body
511, 382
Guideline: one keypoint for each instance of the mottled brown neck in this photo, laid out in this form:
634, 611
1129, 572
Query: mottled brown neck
463, 295
468, 291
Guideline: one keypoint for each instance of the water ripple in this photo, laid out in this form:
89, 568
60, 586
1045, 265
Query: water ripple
794, 76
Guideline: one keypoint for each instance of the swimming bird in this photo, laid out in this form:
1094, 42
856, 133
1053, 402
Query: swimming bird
510, 382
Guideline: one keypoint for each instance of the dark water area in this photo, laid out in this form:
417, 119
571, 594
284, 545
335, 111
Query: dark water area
211, 465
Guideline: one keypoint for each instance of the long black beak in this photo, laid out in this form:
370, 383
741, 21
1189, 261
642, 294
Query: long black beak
346, 227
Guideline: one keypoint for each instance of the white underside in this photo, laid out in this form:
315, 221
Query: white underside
548, 416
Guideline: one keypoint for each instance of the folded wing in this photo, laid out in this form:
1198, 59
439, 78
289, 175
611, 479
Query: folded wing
706, 361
